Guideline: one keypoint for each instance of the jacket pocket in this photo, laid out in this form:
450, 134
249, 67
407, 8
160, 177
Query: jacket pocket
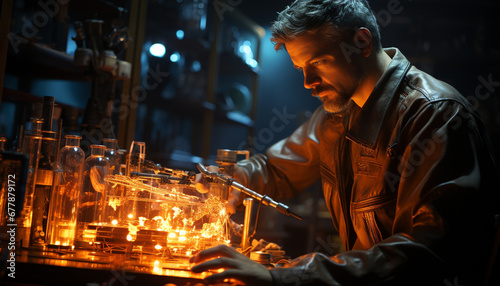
367, 216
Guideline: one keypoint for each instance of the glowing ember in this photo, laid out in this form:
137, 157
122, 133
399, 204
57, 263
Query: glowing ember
114, 203
158, 247
114, 222
142, 220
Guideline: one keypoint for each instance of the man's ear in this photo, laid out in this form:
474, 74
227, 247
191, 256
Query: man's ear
363, 41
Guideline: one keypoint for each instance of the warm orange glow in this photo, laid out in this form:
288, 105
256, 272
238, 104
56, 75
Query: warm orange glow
189, 222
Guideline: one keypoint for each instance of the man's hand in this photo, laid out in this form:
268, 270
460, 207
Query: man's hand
238, 267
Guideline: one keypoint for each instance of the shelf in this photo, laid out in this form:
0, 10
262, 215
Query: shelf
36, 60
20, 97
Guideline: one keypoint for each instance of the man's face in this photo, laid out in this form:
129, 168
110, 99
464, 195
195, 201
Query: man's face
330, 74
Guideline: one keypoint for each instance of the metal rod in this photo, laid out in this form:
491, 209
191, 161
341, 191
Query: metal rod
245, 237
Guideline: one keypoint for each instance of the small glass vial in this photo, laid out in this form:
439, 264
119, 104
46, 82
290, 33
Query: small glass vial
64, 202
93, 196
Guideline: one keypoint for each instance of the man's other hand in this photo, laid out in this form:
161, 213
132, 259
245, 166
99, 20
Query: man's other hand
237, 267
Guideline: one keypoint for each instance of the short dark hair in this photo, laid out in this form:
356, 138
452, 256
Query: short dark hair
334, 18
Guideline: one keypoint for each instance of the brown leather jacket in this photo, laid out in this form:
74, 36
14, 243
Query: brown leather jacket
406, 179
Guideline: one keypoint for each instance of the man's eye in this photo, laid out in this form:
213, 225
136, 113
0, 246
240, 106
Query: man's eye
317, 63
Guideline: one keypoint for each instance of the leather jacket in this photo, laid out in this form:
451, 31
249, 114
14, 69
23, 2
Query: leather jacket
406, 179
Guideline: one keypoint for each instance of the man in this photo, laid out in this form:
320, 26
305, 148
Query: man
405, 163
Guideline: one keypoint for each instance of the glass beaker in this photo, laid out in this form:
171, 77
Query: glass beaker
43, 188
93, 195
64, 200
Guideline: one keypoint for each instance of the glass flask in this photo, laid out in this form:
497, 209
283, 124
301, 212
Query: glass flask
93, 196
64, 200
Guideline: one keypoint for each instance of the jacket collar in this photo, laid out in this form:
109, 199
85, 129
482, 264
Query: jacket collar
368, 123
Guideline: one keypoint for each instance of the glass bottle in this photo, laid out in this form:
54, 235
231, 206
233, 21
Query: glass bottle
64, 200
30, 146
93, 196
44, 180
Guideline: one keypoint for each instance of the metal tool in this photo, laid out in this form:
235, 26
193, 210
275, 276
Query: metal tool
220, 178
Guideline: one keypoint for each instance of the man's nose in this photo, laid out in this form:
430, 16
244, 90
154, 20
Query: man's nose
311, 79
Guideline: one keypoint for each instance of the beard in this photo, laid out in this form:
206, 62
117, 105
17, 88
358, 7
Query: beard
334, 102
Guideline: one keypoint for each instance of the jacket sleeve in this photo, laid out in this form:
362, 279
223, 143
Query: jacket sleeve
442, 219
289, 166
